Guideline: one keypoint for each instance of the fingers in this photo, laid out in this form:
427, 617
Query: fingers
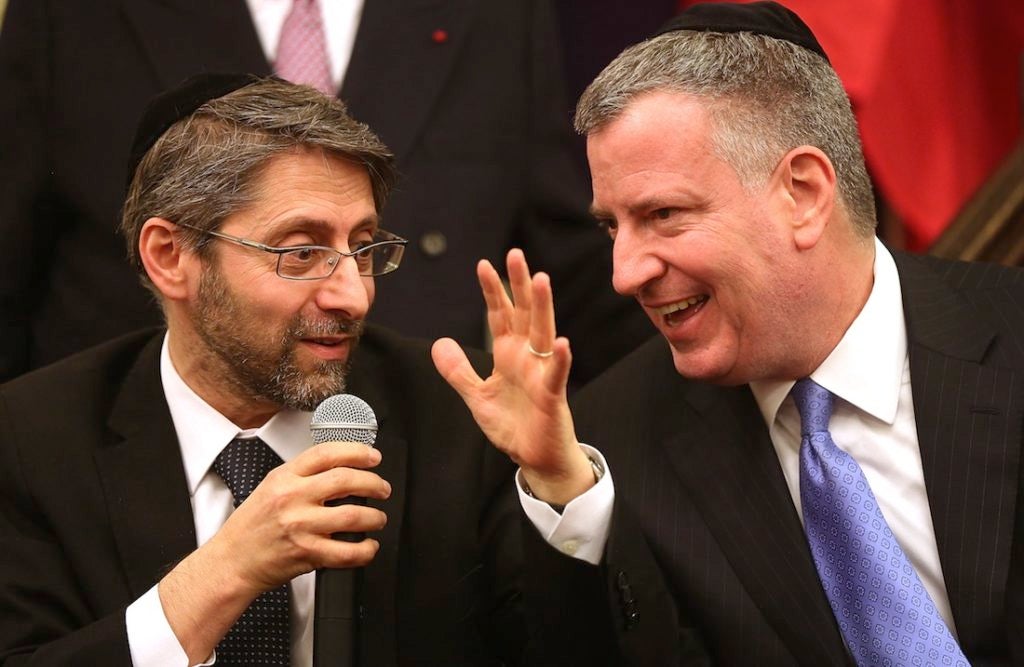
522, 297
561, 361
453, 365
339, 554
542, 317
328, 455
342, 482
499, 308
346, 518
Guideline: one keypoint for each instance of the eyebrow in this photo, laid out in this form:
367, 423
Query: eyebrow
648, 204
320, 225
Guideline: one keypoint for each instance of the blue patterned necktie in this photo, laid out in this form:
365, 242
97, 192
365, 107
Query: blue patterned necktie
261, 635
884, 612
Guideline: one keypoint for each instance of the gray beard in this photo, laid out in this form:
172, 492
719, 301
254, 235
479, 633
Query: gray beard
267, 372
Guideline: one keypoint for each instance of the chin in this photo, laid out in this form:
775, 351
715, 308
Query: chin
705, 366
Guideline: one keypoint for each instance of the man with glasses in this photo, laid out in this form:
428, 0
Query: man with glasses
125, 534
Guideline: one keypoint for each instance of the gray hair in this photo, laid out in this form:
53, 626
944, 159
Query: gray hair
205, 166
765, 97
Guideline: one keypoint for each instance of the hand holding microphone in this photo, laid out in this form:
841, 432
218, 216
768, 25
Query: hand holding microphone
344, 418
283, 529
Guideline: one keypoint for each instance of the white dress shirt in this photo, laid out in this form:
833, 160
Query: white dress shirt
873, 421
202, 433
341, 22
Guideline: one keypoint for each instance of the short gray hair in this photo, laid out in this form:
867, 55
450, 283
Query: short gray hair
205, 166
765, 96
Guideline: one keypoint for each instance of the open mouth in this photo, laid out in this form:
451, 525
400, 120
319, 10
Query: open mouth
328, 342
674, 314
328, 347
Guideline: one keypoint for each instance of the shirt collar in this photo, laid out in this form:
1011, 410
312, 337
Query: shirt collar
203, 432
866, 367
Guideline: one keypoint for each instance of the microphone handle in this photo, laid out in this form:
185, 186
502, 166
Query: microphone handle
336, 607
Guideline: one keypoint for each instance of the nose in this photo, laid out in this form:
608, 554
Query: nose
345, 290
635, 262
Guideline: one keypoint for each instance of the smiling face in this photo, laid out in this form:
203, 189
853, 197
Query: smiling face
266, 340
714, 265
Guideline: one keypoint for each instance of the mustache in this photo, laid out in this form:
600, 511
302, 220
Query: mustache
307, 328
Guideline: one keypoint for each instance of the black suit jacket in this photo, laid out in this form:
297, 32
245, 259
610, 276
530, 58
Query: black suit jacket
94, 509
479, 125
707, 558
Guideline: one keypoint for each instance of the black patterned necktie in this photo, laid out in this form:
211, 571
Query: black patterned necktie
261, 635
884, 611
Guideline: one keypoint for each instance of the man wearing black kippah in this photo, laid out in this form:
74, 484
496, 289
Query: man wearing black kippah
823, 465
161, 501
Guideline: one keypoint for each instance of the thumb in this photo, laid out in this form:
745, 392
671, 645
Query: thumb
453, 365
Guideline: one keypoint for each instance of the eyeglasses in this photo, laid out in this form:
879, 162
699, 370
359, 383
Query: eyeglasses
381, 255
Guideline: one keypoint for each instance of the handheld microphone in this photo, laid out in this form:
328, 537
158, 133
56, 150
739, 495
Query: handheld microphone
335, 622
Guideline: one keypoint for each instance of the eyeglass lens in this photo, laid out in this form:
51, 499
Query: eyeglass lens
310, 263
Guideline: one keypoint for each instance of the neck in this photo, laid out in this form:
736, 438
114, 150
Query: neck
847, 278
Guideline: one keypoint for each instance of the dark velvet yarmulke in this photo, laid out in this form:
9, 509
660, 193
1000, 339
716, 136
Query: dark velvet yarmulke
172, 105
761, 18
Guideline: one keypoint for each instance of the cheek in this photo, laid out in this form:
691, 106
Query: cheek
371, 289
275, 301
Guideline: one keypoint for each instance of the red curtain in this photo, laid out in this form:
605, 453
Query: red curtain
936, 86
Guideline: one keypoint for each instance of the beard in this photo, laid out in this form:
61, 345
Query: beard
261, 364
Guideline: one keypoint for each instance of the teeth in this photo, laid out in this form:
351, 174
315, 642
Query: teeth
682, 305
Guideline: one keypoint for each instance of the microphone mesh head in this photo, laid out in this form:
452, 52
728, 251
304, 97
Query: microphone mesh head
344, 417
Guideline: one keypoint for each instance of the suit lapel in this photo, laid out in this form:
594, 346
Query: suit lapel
729, 469
969, 428
184, 37
398, 69
144, 480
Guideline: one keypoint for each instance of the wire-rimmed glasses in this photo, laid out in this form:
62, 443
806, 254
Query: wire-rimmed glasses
381, 255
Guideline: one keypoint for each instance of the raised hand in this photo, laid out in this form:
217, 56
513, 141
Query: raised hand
522, 406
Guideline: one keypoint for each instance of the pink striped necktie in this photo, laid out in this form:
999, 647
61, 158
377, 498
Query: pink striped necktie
302, 49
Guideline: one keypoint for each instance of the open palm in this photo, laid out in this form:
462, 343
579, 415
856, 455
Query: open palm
522, 406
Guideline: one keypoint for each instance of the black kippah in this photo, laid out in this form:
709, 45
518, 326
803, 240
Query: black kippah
172, 105
761, 18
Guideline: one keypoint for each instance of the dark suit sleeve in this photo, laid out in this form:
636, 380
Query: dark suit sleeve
620, 612
558, 234
45, 617
26, 226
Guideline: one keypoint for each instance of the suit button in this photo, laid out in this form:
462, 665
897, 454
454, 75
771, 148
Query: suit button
433, 244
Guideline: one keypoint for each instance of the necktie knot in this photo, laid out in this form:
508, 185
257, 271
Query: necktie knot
243, 464
814, 403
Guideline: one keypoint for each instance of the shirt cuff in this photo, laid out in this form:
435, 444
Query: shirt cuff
150, 639
581, 530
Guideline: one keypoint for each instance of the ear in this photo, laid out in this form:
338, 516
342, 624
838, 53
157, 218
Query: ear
169, 266
806, 184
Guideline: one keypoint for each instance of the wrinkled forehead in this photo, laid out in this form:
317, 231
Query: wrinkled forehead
312, 191
654, 127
